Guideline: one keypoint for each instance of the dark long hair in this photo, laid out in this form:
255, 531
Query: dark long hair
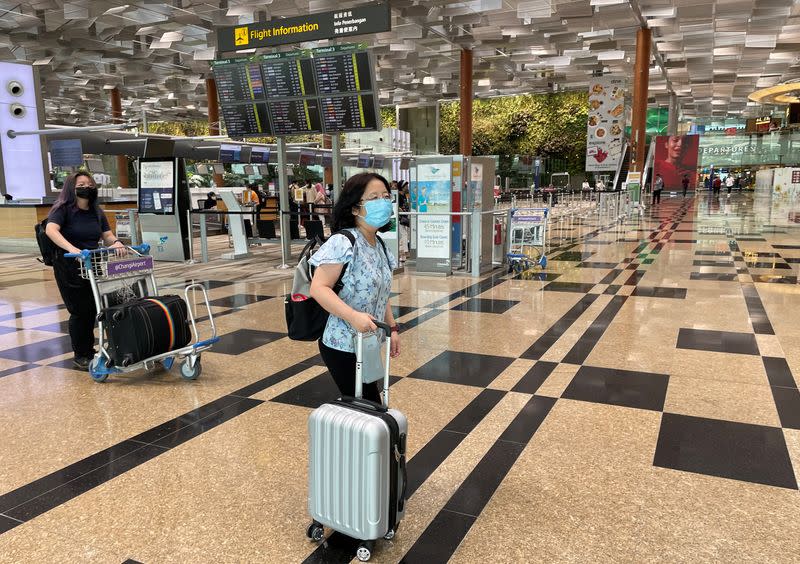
68, 198
350, 200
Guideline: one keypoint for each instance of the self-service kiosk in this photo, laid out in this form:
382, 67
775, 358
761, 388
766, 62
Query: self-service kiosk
163, 202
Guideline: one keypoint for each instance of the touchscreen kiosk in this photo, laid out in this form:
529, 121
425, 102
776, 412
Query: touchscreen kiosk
163, 200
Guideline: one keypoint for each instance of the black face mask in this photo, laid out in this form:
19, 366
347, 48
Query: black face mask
86, 193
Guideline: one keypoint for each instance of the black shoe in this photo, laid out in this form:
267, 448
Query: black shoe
81, 362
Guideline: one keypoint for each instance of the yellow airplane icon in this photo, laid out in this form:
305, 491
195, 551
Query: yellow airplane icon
240, 36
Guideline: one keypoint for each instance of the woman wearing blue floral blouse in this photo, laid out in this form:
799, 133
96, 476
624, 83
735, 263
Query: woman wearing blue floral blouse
364, 208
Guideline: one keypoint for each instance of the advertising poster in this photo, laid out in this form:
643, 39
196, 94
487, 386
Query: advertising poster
606, 124
676, 157
432, 193
476, 184
157, 187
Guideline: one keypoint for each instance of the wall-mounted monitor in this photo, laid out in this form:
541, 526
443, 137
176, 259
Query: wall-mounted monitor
308, 157
249, 170
157, 147
364, 160
219, 169
259, 155
230, 153
327, 160
95, 165
202, 169
378, 161
405, 163
263, 170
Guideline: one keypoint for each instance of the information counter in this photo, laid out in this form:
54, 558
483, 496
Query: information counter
17, 223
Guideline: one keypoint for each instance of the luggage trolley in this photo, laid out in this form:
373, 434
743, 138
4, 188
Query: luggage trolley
126, 277
527, 244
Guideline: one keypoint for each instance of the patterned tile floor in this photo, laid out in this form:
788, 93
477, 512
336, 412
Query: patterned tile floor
637, 402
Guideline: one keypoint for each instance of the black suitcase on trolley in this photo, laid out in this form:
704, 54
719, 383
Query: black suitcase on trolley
146, 327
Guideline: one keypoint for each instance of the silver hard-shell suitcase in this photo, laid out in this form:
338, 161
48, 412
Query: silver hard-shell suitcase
356, 470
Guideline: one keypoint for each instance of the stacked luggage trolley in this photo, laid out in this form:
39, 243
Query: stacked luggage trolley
138, 328
527, 240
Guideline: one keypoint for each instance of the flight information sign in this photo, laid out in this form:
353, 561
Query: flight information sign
244, 120
327, 90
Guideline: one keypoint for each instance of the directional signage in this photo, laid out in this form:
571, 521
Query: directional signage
360, 20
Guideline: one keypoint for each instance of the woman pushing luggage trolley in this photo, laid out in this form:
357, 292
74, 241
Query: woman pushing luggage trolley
137, 327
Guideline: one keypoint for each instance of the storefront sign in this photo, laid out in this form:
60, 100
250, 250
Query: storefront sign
606, 124
359, 20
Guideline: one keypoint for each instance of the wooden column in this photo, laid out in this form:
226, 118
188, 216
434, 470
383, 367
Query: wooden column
122, 160
213, 119
465, 92
641, 80
328, 174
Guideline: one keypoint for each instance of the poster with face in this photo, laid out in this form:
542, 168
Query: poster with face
676, 158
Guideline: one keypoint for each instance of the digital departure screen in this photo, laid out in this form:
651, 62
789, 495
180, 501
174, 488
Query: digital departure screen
230, 153
243, 120
364, 160
259, 155
290, 117
349, 113
289, 78
339, 73
326, 90
308, 157
239, 82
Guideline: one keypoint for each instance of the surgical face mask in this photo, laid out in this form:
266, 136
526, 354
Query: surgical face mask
86, 192
378, 212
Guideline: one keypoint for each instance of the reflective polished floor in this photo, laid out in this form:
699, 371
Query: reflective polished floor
636, 402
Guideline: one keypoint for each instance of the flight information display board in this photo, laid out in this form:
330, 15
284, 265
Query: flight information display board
289, 78
244, 120
292, 117
340, 73
349, 113
327, 90
239, 83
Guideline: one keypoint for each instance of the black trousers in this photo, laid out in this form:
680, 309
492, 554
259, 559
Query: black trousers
342, 366
656, 196
77, 295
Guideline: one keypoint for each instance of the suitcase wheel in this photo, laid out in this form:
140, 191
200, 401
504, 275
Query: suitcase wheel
364, 551
315, 532
389, 535
191, 368
95, 369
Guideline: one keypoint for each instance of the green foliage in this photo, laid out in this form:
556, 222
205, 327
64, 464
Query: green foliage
545, 125
388, 116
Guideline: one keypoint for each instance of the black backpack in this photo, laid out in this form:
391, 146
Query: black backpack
305, 318
47, 248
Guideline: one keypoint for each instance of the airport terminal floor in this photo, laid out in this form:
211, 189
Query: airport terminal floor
636, 402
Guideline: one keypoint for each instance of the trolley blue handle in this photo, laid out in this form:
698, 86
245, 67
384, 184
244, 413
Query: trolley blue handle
86, 253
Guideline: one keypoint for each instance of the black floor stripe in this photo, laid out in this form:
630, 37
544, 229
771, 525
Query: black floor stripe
549, 337
48, 492
339, 548
581, 350
758, 314
7, 523
784, 391
443, 536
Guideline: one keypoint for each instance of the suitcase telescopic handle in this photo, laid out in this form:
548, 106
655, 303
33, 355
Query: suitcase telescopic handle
359, 358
